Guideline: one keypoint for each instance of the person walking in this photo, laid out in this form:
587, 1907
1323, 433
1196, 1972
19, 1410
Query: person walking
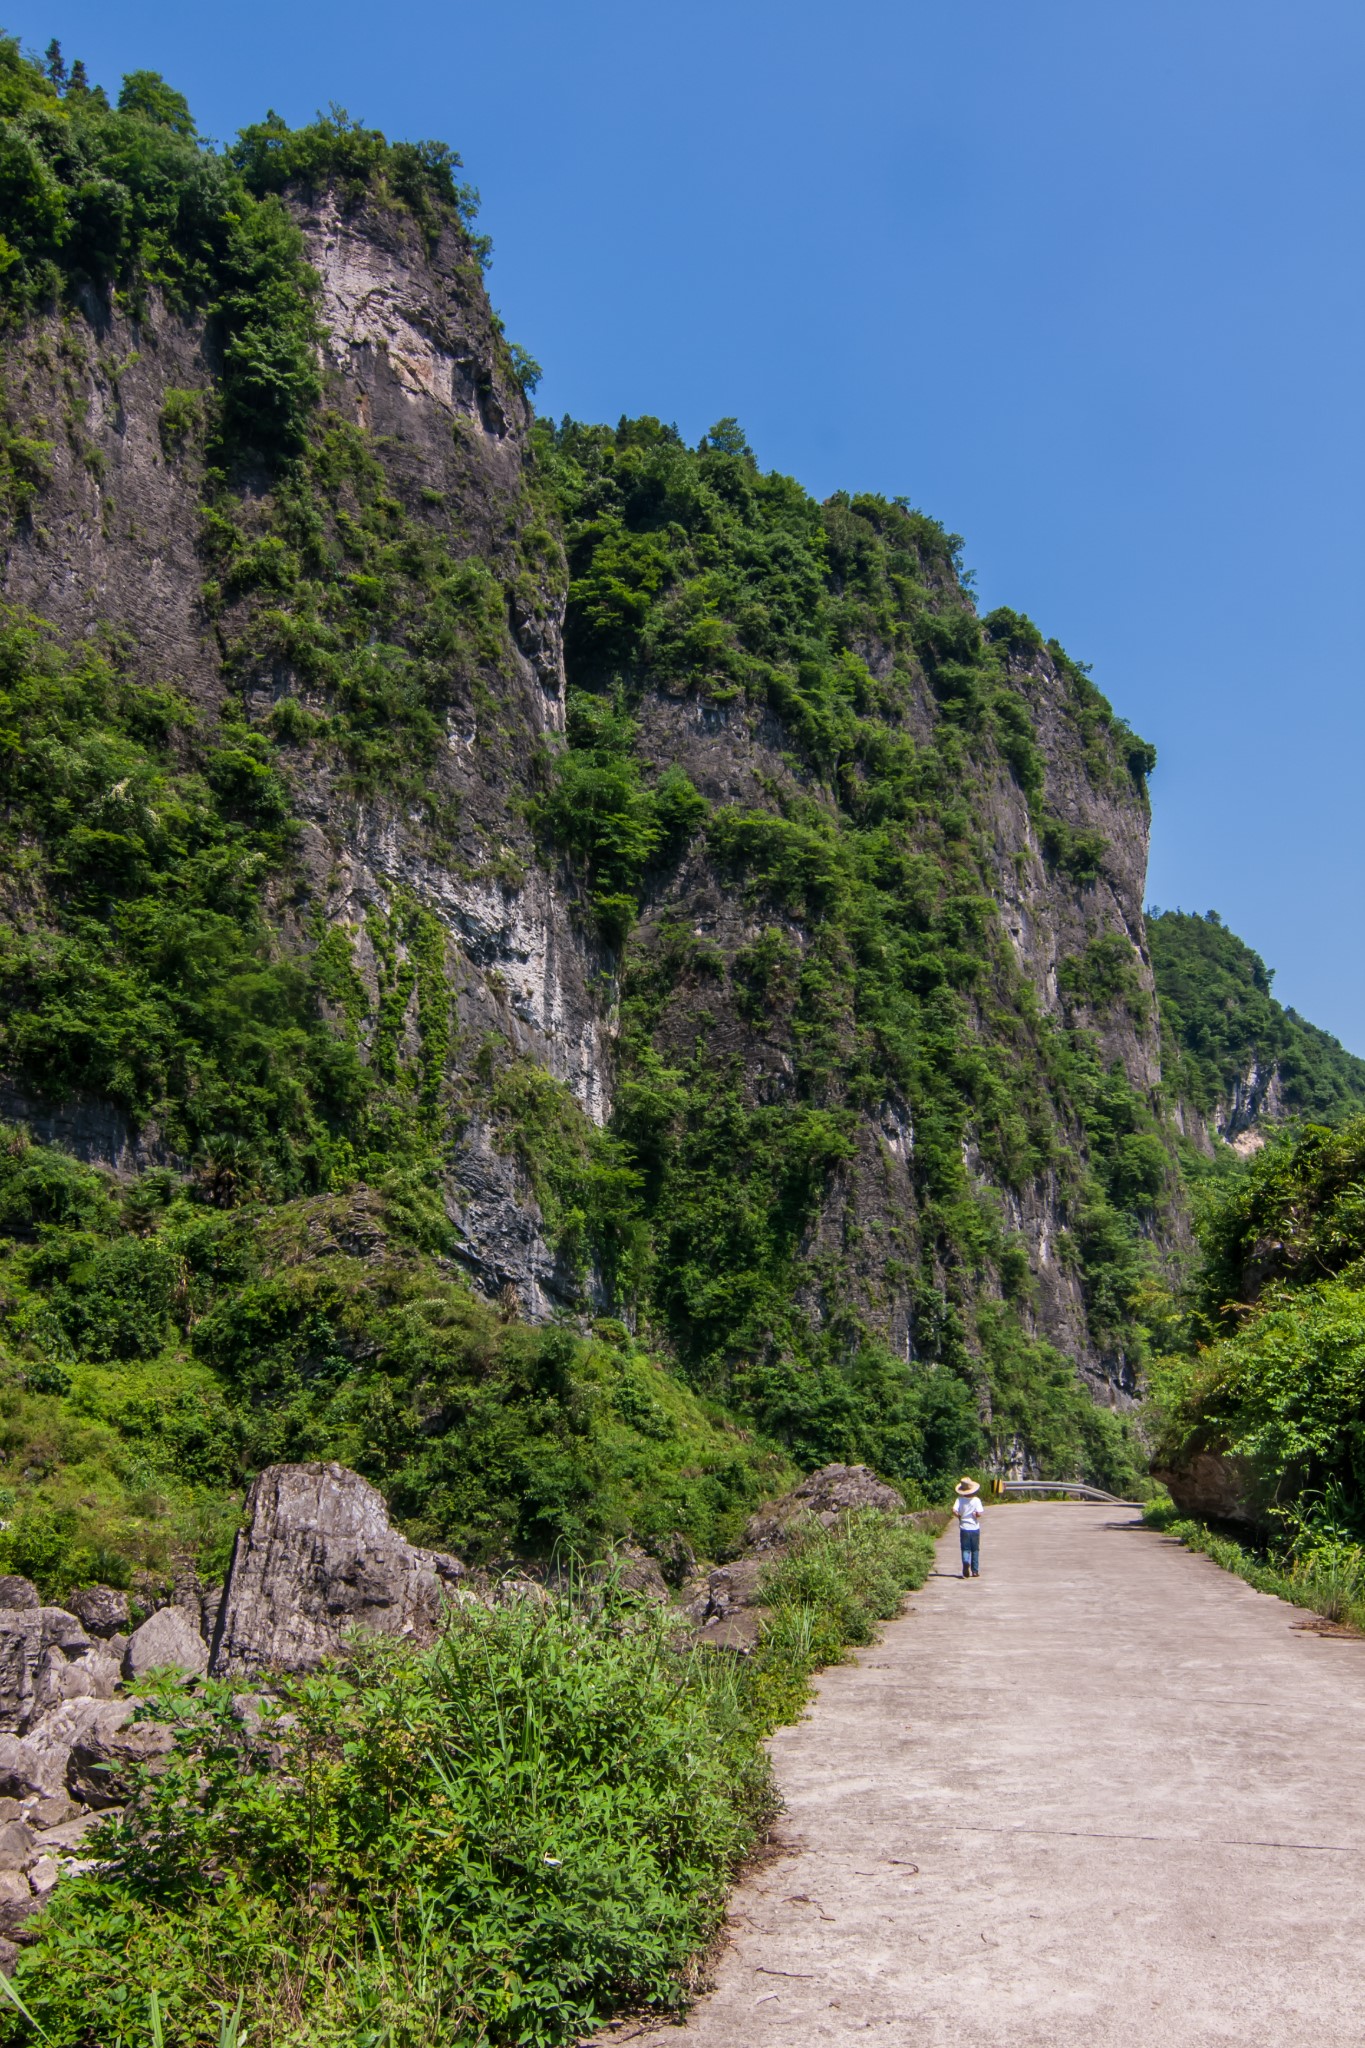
968, 1508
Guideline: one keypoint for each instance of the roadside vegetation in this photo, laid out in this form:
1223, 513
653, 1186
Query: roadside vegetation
501, 1840
1270, 1375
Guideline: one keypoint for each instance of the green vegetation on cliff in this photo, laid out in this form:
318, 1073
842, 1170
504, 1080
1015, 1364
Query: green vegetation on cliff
127, 198
878, 967
1222, 1023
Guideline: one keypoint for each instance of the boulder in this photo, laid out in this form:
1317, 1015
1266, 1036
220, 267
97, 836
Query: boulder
72, 1833
16, 1845
37, 1645
53, 1811
103, 1762
62, 1631
101, 1610
317, 1556
21, 1771
47, 1750
169, 1638
1212, 1486
17, 1592
832, 1491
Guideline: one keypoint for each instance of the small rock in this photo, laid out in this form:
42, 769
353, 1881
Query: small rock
734, 1586
99, 1770
52, 1811
17, 1592
13, 1888
44, 1875
72, 1833
16, 1845
169, 1637
21, 1771
9, 1956
62, 1631
634, 1571
114, 1646
14, 1912
12, 1809
249, 1709
102, 1609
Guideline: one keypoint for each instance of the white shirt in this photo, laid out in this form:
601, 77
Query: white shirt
968, 1509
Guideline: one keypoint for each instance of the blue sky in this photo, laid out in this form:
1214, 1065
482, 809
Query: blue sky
1083, 281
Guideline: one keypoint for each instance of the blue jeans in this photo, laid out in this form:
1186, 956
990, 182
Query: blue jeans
971, 1550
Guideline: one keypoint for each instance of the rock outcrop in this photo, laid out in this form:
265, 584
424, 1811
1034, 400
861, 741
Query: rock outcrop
316, 1557
832, 1491
727, 1603
167, 1640
46, 1657
1213, 1486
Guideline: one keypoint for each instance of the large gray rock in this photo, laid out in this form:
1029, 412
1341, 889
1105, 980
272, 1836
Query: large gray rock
16, 1846
46, 1657
168, 1639
317, 1557
37, 1762
832, 1491
17, 1592
21, 1773
104, 1760
102, 1610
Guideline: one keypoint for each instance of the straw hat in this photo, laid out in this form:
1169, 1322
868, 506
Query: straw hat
966, 1486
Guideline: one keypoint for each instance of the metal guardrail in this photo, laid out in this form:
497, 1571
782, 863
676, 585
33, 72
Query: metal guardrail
1001, 1487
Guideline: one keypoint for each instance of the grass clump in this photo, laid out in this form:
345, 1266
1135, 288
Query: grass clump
828, 1593
501, 1839
1324, 1573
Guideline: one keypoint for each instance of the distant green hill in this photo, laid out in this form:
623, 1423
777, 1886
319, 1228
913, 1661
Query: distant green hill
1221, 1021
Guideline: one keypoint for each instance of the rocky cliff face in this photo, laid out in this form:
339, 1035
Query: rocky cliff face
474, 956
119, 548
1051, 920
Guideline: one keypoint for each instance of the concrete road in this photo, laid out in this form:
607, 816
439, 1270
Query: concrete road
1105, 1794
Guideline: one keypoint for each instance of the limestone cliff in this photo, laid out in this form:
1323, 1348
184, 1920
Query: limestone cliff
391, 619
